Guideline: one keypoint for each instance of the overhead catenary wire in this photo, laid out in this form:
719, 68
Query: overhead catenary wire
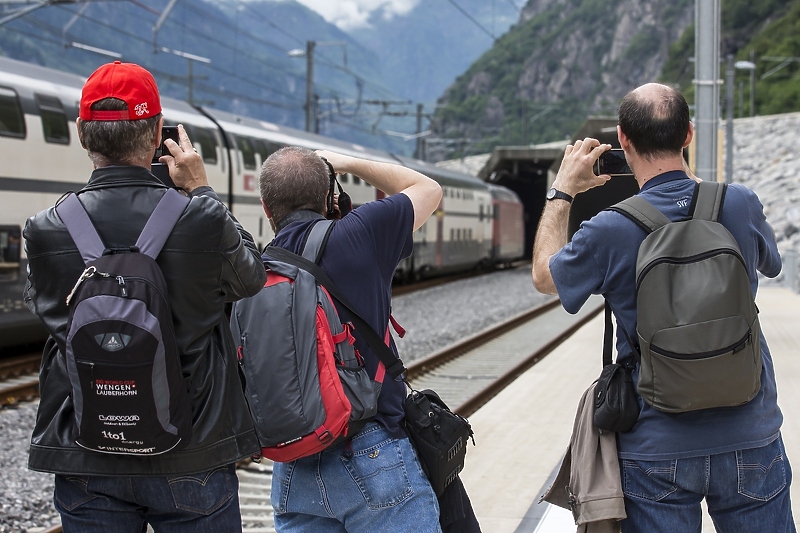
474, 21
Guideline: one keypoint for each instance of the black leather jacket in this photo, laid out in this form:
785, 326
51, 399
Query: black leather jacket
208, 260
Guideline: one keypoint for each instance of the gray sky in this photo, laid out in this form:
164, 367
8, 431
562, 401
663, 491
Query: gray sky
348, 14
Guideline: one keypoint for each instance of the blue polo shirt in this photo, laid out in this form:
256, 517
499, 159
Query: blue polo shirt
601, 259
360, 257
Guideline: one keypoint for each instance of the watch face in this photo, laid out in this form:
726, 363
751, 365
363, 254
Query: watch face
551, 194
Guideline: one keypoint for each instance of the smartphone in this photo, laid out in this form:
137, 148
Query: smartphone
160, 170
612, 162
167, 132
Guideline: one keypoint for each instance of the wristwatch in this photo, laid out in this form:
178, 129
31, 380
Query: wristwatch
554, 194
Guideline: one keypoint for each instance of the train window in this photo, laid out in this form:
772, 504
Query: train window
265, 149
356, 180
10, 244
245, 146
54, 121
343, 178
480, 212
12, 122
208, 144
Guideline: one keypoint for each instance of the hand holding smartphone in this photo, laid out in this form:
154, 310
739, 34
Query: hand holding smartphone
160, 170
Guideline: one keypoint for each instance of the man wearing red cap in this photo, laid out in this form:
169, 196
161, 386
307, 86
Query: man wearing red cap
207, 260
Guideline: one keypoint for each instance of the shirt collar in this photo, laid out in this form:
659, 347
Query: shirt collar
122, 173
672, 175
297, 216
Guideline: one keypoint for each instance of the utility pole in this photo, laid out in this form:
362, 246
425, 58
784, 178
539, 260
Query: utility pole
418, 152
706, 68
310, 45
729, 122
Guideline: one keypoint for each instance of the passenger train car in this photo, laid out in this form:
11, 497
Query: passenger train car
41, 159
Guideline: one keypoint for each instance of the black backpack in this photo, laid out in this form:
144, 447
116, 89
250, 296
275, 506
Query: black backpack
128, 390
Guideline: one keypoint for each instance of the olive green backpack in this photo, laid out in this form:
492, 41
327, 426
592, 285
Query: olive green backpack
698, 329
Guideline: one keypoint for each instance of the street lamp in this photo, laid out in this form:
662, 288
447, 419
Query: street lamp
308, 53
749, 65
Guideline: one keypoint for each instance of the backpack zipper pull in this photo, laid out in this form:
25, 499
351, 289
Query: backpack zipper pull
88, 273
121, 282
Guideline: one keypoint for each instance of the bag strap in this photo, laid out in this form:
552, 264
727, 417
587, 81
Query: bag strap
708, 199
153, 236
394, 365
641, 212
608, 338
80, 228
316, 240
161, 222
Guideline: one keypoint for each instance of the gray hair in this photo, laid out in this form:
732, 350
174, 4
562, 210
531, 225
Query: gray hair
118, 142
293, 179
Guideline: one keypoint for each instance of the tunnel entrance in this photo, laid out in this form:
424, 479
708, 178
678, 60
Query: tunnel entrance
530, 170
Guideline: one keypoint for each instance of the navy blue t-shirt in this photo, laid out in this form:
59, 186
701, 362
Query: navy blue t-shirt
360, 257
601, 259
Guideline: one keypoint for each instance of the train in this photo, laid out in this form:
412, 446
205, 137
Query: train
476, 224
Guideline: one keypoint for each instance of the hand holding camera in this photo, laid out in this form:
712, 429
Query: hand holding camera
576, 174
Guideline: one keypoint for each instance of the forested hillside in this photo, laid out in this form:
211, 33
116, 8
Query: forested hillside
569, 59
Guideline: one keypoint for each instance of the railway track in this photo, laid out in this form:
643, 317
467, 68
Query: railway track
466, 375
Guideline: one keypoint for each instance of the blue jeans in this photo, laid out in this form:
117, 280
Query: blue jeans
207, 502
373, 483
747, 491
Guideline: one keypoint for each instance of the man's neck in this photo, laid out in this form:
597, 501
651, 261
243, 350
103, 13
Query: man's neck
647, 170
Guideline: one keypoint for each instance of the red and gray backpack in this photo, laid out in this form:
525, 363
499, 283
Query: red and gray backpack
128, 391
304, 381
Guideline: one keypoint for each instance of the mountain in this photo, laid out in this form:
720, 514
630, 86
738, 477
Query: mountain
423, 51
401, 59
569, 59
564, 60
249, 73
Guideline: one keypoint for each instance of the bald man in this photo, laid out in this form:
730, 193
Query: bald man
733, 457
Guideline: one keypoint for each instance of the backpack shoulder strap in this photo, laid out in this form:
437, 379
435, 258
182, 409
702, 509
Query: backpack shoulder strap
161, 221
708, 199
641, 212
394, 365
80, 228
317, 239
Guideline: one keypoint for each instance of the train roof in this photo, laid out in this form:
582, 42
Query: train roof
443, 175
31, 78
284, 134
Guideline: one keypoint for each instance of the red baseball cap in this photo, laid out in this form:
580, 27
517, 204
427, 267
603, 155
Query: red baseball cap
126, 81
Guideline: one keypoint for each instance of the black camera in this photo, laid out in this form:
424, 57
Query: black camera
613, 163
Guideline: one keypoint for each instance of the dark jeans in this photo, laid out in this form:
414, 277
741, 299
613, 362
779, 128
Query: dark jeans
747, 491
207, 502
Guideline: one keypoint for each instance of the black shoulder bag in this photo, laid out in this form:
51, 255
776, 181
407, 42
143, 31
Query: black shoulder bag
615, 401
439, 435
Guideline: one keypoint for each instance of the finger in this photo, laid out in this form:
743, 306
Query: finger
589, 144
186, 144
598, 150
173, 147
568, 150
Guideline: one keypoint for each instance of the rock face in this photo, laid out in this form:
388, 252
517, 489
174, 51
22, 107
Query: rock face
574, 57
766, 159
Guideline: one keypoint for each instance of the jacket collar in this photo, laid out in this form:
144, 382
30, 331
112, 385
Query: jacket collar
122, 175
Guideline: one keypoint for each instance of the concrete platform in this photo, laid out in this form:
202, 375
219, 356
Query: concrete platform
521, 435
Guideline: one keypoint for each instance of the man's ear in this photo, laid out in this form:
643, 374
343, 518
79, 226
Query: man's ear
689, 135
78, 123
266, 209
624, 142
158, 134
